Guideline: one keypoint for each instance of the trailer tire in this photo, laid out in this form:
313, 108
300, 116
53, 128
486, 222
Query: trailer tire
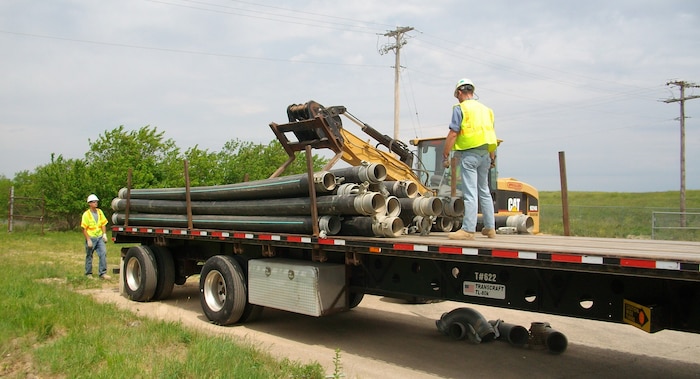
166, 272
223, 290
140, 275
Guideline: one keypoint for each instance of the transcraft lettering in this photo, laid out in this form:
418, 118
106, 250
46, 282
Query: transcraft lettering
493, 291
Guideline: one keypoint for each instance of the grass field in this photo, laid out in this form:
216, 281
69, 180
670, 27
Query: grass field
48, 329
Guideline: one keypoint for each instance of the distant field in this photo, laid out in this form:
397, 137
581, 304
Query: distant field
622, 215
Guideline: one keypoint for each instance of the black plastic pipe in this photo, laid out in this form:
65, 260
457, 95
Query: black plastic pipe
280, 224
368, 204
286, 186
371, 227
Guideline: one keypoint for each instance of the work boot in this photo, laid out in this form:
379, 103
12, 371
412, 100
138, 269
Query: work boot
105, 277
491, 233
461, 235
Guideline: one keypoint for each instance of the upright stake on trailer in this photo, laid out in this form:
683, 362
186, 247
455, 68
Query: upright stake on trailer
128, 197
564, 193
312, 191
188, 199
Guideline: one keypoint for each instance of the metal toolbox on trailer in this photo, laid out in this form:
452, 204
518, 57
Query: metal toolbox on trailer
310, 288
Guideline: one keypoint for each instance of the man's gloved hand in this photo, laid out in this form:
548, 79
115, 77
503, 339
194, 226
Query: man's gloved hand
89, 242
104, 238
446, 162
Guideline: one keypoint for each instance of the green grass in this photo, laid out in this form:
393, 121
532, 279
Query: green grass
620, 215
48, 329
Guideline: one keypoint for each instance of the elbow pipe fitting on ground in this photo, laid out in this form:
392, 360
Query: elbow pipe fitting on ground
514, 334
463, 323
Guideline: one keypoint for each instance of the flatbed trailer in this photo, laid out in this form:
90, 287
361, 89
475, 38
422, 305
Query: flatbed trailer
650, 284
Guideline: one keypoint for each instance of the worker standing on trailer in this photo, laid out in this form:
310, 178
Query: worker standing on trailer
473, 138
94, 224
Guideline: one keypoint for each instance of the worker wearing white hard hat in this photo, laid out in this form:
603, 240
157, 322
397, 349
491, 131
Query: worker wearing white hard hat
473, 139
94, 225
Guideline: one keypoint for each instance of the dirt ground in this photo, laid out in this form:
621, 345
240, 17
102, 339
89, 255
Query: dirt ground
387, 338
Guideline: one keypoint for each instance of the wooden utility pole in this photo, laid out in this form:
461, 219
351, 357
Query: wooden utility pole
400, 41
682, 85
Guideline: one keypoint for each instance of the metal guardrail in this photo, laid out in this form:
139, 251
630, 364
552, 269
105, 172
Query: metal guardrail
674, 223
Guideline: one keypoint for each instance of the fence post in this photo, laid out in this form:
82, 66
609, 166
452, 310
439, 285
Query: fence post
11, 209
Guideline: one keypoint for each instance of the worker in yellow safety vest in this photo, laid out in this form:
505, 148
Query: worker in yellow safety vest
94, 225
473, 139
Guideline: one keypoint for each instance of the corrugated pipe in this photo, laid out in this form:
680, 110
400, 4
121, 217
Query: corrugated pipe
278, 224
286, 186
371, 227
369, 204
514, 334
367, 172
466, 322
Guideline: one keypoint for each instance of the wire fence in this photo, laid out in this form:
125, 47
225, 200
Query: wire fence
622, 222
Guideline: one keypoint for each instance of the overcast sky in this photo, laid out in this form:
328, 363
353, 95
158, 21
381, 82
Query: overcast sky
587, 78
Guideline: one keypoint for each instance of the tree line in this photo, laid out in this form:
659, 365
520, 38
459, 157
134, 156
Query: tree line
156, 162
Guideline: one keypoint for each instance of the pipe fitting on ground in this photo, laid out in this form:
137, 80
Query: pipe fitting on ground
542, 334
467, 323
516, 335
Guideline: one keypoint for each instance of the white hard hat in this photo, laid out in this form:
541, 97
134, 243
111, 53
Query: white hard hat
463, 82
92, 197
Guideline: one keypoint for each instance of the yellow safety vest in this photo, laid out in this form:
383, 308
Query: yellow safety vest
94, 229
477, 127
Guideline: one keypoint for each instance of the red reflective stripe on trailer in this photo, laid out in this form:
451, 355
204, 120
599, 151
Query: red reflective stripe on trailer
294, 239
639, 263
566, 258
450, 250
504, 254
326, 241
403, 246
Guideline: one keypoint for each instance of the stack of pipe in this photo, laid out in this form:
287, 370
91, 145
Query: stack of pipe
349, 201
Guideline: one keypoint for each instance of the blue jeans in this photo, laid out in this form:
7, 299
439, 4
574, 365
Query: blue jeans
475, 166
98, 245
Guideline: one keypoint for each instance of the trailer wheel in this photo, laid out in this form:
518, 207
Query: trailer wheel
166, 272
140, 275
355, 299
222, 288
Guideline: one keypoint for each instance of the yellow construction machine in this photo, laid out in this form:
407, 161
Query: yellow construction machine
311, 124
